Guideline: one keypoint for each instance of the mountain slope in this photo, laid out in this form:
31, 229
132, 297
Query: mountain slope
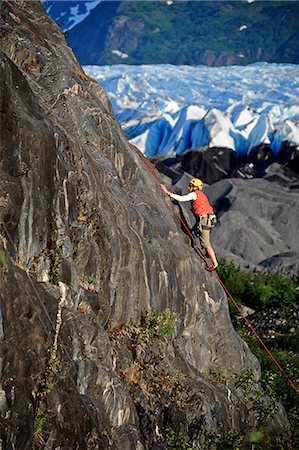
211, 33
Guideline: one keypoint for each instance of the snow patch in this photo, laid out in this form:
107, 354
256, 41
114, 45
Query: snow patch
120, 54
73, 15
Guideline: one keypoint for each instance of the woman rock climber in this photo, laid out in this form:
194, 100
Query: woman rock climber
203, 212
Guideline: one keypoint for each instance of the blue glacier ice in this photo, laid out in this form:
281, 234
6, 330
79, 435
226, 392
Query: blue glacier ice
167, 109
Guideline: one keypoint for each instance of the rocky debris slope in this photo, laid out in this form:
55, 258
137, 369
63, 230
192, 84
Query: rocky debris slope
259, 223
88, 244
276, 323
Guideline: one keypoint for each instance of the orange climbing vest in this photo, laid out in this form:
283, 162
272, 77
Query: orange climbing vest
201, 206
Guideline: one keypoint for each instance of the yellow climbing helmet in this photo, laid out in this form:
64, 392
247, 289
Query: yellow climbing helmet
196, 182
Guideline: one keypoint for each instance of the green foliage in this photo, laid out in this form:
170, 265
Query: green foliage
2, 258
255, 437
256, 402
255, 397
55, 364
264, 292
67, 33
260, 406
219, 374
258, 291
276, 385
179, 34
162, 325
38, 426
224, 440
56, 266
176, 440
44, 388
40, 394
89, 279
39, 418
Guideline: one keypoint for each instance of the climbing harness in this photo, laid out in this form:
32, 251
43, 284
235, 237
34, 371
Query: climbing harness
205, 222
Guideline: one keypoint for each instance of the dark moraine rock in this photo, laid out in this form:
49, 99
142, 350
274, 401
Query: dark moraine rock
209, 164
258, 221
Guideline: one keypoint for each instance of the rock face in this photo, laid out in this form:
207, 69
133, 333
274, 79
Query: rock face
87, 245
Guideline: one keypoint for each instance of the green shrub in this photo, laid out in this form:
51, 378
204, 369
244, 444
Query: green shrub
2, 258
258, 291
218, 374
263, 292
55, 271
224, 440
38, 426
255, 398
176, 440
162, 325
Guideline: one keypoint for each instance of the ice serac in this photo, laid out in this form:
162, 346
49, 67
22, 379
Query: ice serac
87, 244
237, 108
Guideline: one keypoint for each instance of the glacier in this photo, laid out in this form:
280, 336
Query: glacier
166, 110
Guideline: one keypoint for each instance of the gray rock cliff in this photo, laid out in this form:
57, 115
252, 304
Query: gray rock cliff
88, 244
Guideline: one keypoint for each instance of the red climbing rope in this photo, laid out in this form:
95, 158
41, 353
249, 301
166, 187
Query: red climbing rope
22, 22
257, 336
282, 371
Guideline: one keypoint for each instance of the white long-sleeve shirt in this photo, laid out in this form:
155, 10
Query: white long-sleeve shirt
184, 198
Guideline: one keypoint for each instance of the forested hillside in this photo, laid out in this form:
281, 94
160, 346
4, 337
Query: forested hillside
213, 33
